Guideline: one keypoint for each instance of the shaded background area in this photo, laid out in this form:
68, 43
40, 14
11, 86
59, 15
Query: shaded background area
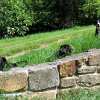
22, 17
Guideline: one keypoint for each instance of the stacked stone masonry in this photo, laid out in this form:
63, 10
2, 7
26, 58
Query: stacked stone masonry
46, 80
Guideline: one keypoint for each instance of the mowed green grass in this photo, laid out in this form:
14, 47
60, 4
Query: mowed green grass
12, 46
43, 47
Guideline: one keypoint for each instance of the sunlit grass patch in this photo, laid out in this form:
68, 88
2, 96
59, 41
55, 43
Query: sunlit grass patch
81, 94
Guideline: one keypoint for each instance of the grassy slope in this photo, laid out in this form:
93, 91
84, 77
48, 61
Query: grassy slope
43, 46
12, 46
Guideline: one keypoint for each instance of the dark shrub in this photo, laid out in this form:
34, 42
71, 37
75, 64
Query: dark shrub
64, 50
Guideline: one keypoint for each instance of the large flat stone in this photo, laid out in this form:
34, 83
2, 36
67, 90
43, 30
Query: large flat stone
43, 76
11, 81
89, 80
68, 82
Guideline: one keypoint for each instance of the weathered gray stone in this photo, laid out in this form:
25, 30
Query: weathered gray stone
43, 76
68, 82
89, 80
11, 81
28, 95
86, 69
94, 58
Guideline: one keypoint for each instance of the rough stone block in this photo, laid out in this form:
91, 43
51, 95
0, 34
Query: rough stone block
11, 81
68, 82
67, 68
43, 76
86, 69
89, 80
94, 59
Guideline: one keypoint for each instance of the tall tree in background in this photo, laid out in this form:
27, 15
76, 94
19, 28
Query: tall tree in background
54, 13
64, 10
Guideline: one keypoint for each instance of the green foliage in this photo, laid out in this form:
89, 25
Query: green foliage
90, 9
14, 17
41, 11
53, 13
4, 97
80, 94
19, 16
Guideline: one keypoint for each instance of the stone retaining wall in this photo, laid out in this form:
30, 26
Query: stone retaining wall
46, 80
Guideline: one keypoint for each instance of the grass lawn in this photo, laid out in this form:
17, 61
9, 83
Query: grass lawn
40, 48
81, 94
12, 46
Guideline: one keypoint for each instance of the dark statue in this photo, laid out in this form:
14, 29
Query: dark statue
97, 32
3, 62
